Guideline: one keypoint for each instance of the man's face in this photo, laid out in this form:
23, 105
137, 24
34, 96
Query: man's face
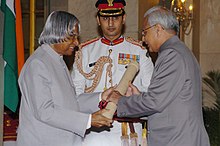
67, 46
111, 26
149, 36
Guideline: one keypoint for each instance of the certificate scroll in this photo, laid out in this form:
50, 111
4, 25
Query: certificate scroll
132, 69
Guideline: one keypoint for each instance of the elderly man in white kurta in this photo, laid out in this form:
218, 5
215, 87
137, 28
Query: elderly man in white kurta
50, 112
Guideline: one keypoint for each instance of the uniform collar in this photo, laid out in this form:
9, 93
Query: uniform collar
112, 43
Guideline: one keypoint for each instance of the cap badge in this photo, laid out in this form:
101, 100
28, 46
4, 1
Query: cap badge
110, 2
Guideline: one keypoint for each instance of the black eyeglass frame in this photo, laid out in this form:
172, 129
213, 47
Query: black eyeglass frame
144, 31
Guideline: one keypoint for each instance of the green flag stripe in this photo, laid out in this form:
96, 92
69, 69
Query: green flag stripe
10, 57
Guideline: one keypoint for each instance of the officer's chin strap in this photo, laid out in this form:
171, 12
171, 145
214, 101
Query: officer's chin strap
96, 72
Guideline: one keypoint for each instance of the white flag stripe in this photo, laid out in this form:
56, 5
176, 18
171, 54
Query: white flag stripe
10, 4
5, 63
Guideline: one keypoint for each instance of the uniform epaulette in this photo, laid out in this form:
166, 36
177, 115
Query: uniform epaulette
135, 42
88, 42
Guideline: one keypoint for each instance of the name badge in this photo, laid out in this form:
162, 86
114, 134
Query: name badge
92, 64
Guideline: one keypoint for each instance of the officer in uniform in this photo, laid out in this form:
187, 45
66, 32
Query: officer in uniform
100, 63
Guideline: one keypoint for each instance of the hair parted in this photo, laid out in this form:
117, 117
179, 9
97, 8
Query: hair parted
58, 26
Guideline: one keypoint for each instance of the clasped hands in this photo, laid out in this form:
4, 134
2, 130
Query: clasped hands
110, 95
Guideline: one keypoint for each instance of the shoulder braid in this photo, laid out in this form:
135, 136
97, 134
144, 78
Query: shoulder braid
135, 42
81, 45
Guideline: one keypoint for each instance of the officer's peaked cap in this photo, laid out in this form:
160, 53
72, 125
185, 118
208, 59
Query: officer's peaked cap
110, 7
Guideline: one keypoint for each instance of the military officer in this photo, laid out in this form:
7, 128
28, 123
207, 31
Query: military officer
101, 62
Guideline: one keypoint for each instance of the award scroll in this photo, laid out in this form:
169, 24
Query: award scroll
132, 69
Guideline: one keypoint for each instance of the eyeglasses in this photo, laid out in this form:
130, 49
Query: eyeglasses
144, 31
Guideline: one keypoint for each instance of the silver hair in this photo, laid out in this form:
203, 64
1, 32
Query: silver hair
59, 25
162, 16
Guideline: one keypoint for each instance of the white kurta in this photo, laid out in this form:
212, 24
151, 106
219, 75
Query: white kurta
50, 112
91, 52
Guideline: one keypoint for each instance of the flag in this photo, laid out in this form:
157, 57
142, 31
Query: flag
11, 91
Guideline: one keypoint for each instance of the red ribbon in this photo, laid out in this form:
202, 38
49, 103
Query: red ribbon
106, 6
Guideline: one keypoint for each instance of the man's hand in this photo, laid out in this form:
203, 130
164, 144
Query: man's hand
98, 120
106, 93
132, 89
114, 97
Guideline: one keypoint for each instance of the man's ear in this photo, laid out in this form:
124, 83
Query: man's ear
159, 27
98, 21
124, 18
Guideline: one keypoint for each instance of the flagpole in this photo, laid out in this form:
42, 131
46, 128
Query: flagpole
32, 25
19, 36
